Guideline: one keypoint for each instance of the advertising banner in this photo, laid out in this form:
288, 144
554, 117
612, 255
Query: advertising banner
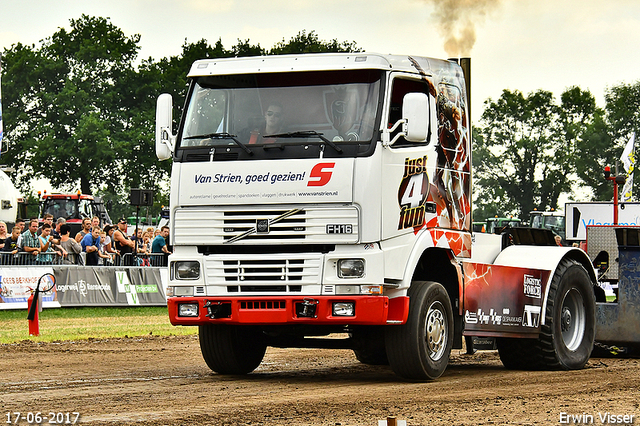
83, 286
224, 183
580, 215
503, 300
16, 284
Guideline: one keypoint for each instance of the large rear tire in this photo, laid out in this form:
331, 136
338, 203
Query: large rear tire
566, 339
231, 349
419, 349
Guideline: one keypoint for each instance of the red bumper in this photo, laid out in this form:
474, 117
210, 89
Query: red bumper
369, 310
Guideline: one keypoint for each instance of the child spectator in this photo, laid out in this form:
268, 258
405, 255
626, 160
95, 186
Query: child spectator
10, 247
46, 245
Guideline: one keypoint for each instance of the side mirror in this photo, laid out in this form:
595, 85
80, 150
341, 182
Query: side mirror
415, 112
164, 120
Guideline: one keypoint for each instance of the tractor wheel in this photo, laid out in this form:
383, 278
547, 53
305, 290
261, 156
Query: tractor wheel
231, 349
419, 349
566, 339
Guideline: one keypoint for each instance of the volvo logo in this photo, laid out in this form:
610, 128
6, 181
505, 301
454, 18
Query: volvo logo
262, 226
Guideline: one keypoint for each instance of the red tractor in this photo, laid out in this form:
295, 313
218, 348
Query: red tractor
74, 208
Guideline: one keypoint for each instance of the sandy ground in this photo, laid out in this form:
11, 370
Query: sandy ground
164, 381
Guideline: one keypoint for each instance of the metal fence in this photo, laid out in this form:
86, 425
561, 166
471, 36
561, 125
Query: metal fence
129, 259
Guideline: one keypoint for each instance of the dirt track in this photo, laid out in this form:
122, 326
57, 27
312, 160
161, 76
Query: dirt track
164, 381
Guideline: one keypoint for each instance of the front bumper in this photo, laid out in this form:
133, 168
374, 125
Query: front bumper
368, 310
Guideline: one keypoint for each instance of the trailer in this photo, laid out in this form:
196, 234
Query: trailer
615, 251
324, 200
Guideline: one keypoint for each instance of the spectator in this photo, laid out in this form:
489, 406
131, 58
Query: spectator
70, 245
91, 246
56, 231
20, 223
108, 240
86, 229
10, 246
123, 243
141, 245
48, 218
558, 240
95, 221
46, 245
146, 240
159, 244
30, 241
105, 257
3, 233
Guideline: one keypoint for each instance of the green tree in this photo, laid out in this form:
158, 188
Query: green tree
65, 115
588, 137
311, 43
521, 158
623, 119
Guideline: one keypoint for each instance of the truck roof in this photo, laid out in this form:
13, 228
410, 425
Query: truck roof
56, 195
315, 62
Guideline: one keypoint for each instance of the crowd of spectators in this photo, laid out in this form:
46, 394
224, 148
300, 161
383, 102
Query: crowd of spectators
44, 243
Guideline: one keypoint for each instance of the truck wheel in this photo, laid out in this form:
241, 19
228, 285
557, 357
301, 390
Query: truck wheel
369, 346
231, 349
420, 349
566, 340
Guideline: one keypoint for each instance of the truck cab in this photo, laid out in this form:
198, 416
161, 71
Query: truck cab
330, 194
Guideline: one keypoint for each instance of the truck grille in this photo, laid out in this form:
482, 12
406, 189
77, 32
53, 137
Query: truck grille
208, 226
276, 273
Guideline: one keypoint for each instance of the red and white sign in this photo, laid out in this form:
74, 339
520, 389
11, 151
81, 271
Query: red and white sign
287, 181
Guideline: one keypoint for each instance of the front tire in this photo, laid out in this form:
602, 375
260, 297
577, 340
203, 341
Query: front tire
419, 350
231, 349
566, 339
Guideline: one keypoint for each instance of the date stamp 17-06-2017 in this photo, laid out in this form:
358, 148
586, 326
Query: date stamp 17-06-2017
39, 418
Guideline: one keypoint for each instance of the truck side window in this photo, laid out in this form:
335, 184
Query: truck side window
400, 88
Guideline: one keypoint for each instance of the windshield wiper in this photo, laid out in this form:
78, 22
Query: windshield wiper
223, 136
306, 134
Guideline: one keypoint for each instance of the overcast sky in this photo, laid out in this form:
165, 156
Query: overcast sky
519, 44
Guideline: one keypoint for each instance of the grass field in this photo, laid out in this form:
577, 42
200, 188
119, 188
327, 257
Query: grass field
85, 323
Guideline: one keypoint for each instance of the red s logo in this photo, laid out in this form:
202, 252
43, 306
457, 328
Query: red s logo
322, 177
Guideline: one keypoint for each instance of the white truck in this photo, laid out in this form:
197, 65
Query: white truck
324, 200
10, 200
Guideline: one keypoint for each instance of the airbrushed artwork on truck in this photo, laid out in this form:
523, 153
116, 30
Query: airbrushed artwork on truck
444, 200
452, 180
415, 196
448, 195
503, 298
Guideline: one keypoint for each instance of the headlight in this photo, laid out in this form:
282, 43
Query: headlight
187, 270
351, 268
344, 309
188, 310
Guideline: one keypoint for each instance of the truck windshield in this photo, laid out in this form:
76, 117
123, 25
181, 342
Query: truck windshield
266, 111
59, 207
